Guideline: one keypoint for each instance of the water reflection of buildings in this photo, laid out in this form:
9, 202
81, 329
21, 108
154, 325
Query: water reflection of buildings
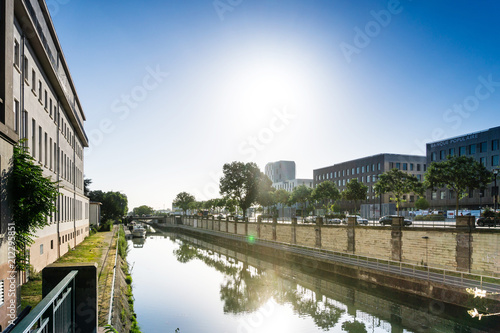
251, 282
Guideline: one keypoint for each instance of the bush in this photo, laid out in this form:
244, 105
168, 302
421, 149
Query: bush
106, 226
429, 218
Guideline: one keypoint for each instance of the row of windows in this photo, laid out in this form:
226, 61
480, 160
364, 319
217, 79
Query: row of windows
449, 194
472, 149
407, 166
63, 239
349, 172
44, 99
68, 209
47, 151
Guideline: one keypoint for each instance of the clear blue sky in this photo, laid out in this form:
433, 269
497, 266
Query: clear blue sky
172, 90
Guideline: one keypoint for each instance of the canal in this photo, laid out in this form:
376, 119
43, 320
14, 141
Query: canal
192, 285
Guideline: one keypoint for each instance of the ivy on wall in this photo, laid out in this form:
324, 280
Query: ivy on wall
33, 198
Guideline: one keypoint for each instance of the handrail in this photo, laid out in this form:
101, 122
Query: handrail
53, 299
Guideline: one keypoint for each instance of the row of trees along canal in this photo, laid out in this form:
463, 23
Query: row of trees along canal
243, 185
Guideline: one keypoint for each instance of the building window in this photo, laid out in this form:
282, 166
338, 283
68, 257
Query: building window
434, 195
443, 195
33, 81
16, 53
425, 167
411, 166
452, 152
461, 151
26, 70
405, 166
494, 160
483, 147
442, 154
16, 116
33, 138
40, 144
419, 177
40, 89
41, 248
52, 244
451, 195
494, 145
348, 172
357, 170
352, 171
378, 166
362, 169
46, 100
418, 167
368, 178
472, 149
482, 160
398, 166
362, 179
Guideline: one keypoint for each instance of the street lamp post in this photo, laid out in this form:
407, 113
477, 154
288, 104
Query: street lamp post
495, 173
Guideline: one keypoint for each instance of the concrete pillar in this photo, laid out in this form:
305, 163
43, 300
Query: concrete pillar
227, 224
235, 225
246, 226
85, 291
396, 238
351, 234
464, 239
259, 224
213, 222
294, 230
275, 224
317, 229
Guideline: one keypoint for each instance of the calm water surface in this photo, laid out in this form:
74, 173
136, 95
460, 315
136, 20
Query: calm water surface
197, 286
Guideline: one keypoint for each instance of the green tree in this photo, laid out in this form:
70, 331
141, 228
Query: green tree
86, 186
183, 200
265, 192
325, 192
33, 198
355, 191
459, 174
398, 183
114, 204
143, 210
301, 194
422, 203
241, 182
282, 197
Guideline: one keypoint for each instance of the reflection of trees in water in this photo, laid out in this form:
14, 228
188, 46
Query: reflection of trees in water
353, 327
246, 289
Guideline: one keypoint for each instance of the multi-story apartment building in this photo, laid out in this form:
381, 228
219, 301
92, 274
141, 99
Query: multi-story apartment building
484, 147
40, 104
367, 171
282, 174
280, 171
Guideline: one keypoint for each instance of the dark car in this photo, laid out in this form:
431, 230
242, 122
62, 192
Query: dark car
388, 220
487, 221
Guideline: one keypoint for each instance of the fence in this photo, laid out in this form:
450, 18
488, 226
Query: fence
55, 313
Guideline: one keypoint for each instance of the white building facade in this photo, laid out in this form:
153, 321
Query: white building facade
49, 116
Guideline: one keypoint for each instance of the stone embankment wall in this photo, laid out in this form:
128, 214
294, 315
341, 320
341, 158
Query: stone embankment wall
463, 248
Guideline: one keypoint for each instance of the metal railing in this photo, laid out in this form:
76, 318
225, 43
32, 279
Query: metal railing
55, 313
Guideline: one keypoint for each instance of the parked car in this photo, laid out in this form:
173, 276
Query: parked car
487, 221
388, 220
333, 221
359, 219
310, 219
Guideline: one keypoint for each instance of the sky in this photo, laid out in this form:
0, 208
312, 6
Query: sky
174, 89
